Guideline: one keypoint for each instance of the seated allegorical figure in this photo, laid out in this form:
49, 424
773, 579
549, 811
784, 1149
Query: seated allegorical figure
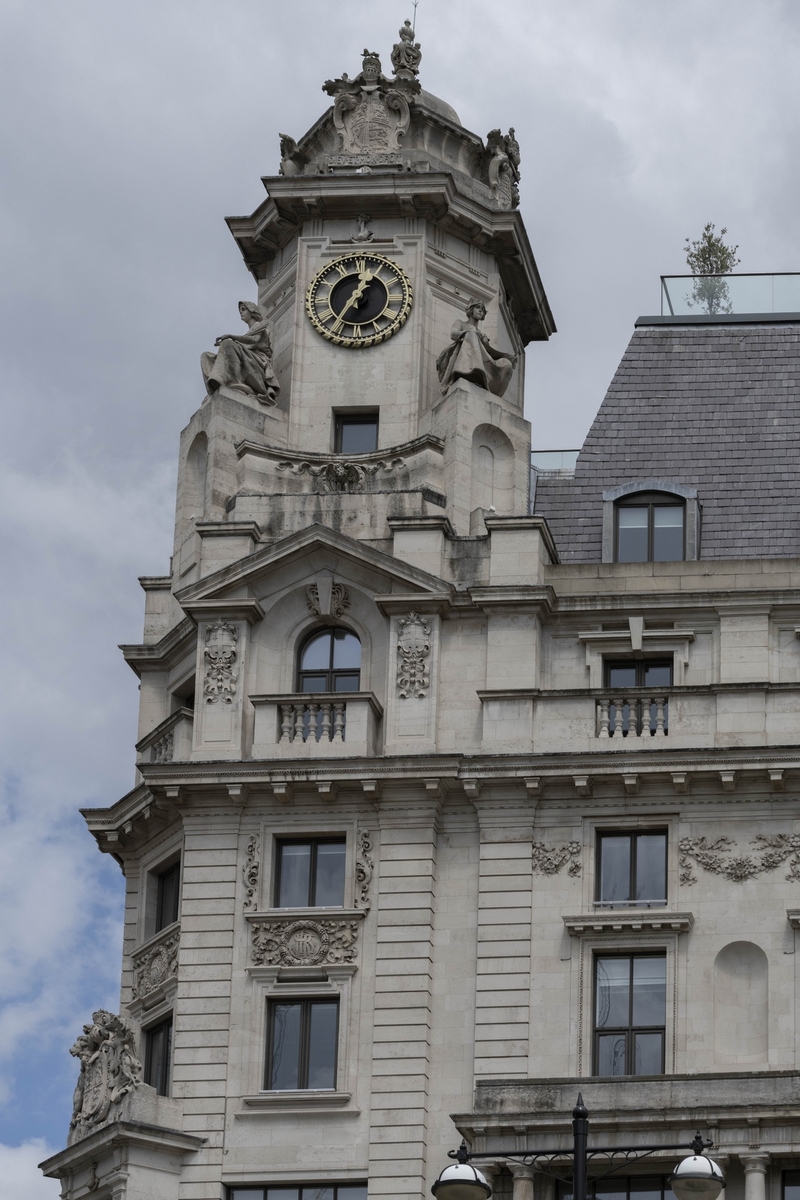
471, 356
243, 362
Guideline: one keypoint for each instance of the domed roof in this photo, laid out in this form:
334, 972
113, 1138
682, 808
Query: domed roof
440, 107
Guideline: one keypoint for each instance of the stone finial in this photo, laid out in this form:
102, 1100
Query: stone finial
503, 166
110, 1069
406, 54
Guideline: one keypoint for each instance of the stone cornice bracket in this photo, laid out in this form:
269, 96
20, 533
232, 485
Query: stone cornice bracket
238, 793
327, 789
793, 917
434, 788
175, 795
606, 923
681, 782
371, 788
776, 779
282, 790
631, 784
728, 780
583, 784
242, 608
533, 788
472, 787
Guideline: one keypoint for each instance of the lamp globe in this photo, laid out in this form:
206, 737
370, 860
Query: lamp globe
461, 1182
697, 1178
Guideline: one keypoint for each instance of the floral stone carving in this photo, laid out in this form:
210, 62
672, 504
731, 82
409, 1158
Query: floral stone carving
718, 856
364, 868
250, 871
156, 966
279, 942
548, 860
413, 652
110, 1069
221, 675
345, 477
339, 599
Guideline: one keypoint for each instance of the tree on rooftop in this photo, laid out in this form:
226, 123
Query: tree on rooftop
710, 259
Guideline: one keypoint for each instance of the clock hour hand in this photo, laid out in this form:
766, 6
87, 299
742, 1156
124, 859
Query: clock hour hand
365, 277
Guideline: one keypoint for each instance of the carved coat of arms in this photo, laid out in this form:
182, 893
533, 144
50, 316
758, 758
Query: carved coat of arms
110, 1069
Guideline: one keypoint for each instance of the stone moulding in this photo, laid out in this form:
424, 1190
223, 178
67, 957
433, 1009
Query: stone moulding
548, 860
719, 857
609, 923
155, 964
305, 941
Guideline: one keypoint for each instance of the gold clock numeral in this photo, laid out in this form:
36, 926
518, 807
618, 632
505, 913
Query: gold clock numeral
342, 270
361, 264
394, 298
338, 324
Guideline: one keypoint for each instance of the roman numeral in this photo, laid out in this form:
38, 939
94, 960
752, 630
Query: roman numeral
337, 326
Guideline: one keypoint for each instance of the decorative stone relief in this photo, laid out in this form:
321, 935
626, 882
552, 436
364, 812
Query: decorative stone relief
370, 112
282, 942
364, 234
221, 675
364, 869
161, 751
243, 362
156, 966
548, 860
413, 652
339, 599
110, 1069
293, 160
250, 871
406, 54
470, 355
344, 477
503, 168
718, 856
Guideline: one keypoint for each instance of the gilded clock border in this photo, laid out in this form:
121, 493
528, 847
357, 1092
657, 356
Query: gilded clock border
376, 338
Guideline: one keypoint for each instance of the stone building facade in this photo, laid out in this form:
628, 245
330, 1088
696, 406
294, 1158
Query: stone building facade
450, 805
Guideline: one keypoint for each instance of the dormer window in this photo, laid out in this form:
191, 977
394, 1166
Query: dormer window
330, 661
650, 528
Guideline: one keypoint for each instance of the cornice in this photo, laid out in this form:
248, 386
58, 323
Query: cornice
264, 450
235, 608
608, 923
521, 597
161, 655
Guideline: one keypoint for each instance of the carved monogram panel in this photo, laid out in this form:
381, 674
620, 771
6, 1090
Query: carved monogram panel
156, 966
413, 652
548, 860
720, 857
221, 675
304, 942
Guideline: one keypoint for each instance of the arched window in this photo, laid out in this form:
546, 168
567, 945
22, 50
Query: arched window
650, 528
330, 661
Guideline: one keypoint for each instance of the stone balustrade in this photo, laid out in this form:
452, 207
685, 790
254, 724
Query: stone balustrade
170, 741
633, 716
323, 724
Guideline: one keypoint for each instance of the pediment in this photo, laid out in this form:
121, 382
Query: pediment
252, 583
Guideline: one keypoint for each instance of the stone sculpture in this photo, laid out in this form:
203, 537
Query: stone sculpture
243, 362
293, 160
471, 356
406, 54
370, 112
110, 1069
503, 167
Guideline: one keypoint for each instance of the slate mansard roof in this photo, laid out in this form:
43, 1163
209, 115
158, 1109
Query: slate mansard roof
714, 406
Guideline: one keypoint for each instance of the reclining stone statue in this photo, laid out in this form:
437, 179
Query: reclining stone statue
243, 362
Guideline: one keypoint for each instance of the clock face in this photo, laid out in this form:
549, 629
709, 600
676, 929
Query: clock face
359, 299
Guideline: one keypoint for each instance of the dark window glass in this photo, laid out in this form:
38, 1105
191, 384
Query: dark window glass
638, 1188
323, 1191
791, 1185
630, 1014
330, 661
310, 874
157, 1056
621, 677
168, 896
632, 869
650, 529
356, 434
302, 1044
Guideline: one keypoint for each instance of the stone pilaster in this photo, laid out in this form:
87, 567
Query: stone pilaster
755, 1175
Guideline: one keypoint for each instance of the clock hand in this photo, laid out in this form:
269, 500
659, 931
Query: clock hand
365, 277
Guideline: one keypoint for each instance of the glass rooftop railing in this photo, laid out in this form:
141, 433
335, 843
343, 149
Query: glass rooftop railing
554, 460
721, 295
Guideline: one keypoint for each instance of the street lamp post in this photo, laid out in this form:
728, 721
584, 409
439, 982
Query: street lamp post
695, 1177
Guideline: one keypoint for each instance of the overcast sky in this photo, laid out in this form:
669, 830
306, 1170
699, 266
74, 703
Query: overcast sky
129, 129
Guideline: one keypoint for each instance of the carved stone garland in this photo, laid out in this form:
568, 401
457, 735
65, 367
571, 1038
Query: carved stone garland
156, 966
717, 856
548, 860
364, 869
219, 655
110, 1069
304, 942
250, 872
413, 652
344, 477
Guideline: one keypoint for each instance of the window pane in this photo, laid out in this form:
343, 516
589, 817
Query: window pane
791, 1185
668, 533
317, 1193
347, 681
157, 1057
314, 683
649, 991
168, 889
295, 875
651, 866
647, 1053
246, 1193
283, 1193
622, 676
632, 534
322, 1045
285, 1046
354, 1192
657, 674
317, 653
346, 650
613, 992
647, 1189
615, 868
611, 1054
611, 1187
358, 436
330, 873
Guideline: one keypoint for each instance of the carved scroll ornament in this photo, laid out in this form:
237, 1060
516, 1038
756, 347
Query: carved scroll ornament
413, 653
221, 675
156, 966
364, 869
344, 477
770, 851
110, 1069
251, 869
548, 860
339, 599
282, 942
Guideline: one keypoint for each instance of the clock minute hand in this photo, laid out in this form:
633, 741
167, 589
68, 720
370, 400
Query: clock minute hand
365, 277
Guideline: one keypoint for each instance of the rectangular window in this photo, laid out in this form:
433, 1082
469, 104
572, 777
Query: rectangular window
791, 1185
310, 873
655, 1187
167, 896
301, 1051
630, 1003
632, 869
649, 531
357, 434
316, 1191
158, 1056
633, 713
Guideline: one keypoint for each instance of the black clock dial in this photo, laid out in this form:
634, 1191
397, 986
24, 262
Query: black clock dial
359, 300
357, 304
